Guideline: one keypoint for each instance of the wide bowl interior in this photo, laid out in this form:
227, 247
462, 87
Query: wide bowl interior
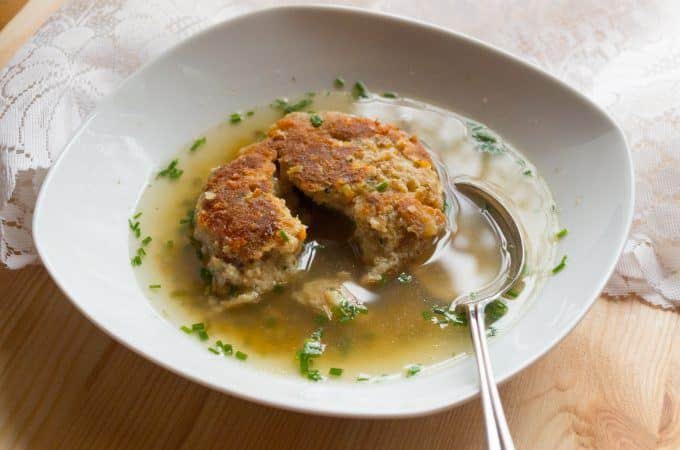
80, 224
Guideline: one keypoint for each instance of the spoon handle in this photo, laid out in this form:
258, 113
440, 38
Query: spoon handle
497, 431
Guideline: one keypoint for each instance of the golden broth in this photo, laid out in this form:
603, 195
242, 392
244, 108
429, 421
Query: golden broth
394, 332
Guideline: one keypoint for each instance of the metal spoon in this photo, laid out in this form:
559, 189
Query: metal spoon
512, 248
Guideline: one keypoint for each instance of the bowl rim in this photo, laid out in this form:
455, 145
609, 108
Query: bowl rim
400, 20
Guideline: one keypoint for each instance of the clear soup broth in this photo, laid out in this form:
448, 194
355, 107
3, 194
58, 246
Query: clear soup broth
399, 329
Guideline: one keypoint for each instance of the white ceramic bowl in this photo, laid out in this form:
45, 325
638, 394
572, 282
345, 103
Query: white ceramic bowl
80, 219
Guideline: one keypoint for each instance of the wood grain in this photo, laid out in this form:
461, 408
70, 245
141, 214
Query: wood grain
612, 383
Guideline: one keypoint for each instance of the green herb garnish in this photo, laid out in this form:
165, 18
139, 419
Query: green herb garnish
197, 143
227, 349
137, 216
170, 243
427, 315
186, 329
446, 316
146, 240
203, 335
348, 310
286, 107
171, 171
405, 277
485, 140
278, 288
382, 187
241, 356
363, 377
389, 95
360, 90
198, 326
134, 226
339, 82
335, 371
188, 219
284, 236
511, 293
561, 265
154, 286
562, 233
527, 172
495, 310
212, 350
250, 113
312, 348
235, 117
316, 120
413, 369
446, 207
136, 261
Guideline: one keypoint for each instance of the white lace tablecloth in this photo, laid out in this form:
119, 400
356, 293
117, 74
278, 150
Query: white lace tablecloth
624, 54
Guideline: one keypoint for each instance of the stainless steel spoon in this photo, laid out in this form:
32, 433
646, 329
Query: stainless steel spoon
512, 248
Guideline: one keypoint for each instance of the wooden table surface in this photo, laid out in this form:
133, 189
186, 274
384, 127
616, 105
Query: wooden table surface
613, 383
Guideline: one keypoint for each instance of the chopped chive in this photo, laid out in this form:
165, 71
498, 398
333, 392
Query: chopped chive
427, 315
286, 107
335, 371
136, 261
197, 143
171, 171
146, 240
562, 233
316, 120
278, 288
495, 310
314, 375
413, 369
188, 219
284, 236
227, 349
363, 377
389, 95
198, 326
250, 113
212, 350
170, 243
154, 286
137, 216
561, 265
186, 329
141, 252
446, 207
134, 227
360, 90
235, 117
405, 277
240, 355
339, 82
382, 187
511, 293
203, 335
527, 172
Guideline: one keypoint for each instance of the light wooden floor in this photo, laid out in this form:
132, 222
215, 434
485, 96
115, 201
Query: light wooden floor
613, 383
